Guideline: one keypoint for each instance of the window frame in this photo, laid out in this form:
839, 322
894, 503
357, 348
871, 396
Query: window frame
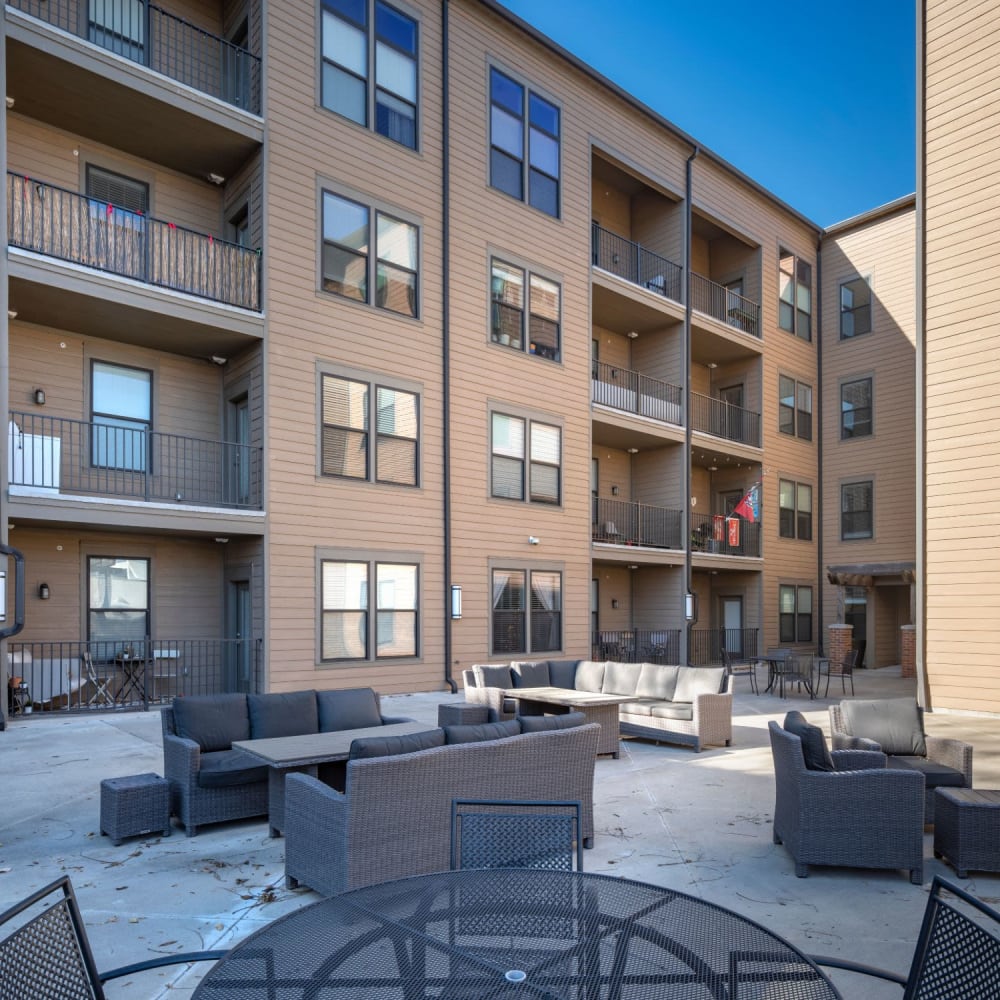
852, 435
528, 610
796, 325
867, 282
793, 521
102, 654
800, 426
800, 621
525, 344
528, 422
144, 465
856, 535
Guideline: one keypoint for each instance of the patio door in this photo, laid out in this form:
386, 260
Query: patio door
732, 426
732, 625
238, 446
239, 636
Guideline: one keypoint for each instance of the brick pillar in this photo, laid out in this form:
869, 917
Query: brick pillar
841, 640
908, 647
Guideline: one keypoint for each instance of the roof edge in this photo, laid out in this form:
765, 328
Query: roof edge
872, 215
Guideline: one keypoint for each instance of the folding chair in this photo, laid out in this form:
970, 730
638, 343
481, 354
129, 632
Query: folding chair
495, 833
47, 955
100, 695
957, 953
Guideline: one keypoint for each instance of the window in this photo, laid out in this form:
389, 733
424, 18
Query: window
117, 604
350, 269
350, 47
120, 407
855, 308
350, 407
534, 179
795, 606
795, 404
507, 284
856, 510
526, 622
794, 295
117, 209
794, 510
544, 446
348, 631
856, 408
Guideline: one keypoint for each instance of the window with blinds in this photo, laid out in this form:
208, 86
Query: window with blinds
526, 459
123, 193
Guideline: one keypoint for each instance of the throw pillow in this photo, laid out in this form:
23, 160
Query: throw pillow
350, 708
543, 723
894, 723
814, 751
390, 746
479, 734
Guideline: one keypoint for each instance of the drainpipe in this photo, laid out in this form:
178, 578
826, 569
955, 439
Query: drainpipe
686, 368
818, 405
445, 346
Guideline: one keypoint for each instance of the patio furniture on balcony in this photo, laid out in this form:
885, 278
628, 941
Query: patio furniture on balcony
635, 263
623, 522
725, 304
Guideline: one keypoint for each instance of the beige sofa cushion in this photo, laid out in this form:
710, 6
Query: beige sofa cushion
657, 680
692, 681
674, 710
589, 675
620, 678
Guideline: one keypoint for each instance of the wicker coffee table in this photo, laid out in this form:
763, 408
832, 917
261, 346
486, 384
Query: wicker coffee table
967, 829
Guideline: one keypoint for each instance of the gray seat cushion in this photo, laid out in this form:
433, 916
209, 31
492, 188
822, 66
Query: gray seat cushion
657, 681
543, 723
814, 750
289, 714
621, 678
683, 711
693, 681
481, 733
389, 746
213, 721
895, 724
350, 708
935, 775
225, 768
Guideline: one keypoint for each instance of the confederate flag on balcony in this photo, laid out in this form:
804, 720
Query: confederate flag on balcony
749, 506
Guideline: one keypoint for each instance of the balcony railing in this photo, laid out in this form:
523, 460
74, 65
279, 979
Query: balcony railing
59, 223
706, 644
637, 645
78, 457
725, 420
118, 673
623, 522
635, 263
167, 44
632, 392
721, 303
724, 536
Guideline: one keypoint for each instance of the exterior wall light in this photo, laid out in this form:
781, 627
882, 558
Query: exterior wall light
40, 397
456, 601
43, 592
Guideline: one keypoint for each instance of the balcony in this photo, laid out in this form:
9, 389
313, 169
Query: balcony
632, 392
635, 264
725, 305
72, 227
624, 522
716, 534
637, 645
724, 420
59, 457
161, 41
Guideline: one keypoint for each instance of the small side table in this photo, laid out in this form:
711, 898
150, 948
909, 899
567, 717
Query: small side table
463, 713
967, 829
134, 805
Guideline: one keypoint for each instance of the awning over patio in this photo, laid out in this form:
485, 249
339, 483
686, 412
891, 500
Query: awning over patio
870, 574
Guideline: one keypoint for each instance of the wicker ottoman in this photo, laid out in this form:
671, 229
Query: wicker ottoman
463, 713
133, 805
967, 829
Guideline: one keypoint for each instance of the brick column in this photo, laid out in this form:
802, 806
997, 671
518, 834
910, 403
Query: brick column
908, 647
841, 640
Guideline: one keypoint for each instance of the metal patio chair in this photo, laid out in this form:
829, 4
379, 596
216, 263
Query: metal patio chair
748, 669
847, 668
100, 694
46, 956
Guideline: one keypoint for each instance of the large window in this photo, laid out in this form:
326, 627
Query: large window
794, 510
794, 295
855, 308
856, 510
117, 604
120, 411
352, 270
856, 408
351, 407
507, 283
795, 406
527, 611
519, 444
795, 613
522, 120
349, 631
350, 47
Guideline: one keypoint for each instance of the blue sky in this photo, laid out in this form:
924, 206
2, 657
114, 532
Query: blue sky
812, 99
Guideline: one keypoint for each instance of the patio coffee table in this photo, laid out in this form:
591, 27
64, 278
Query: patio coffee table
305, 753
601, 708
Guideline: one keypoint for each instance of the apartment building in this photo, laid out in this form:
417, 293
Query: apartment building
356, 342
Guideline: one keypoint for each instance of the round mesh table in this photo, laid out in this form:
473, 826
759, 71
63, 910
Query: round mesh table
514, 933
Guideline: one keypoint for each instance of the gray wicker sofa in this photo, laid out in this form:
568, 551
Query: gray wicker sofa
692, 706
394, 817
210, 782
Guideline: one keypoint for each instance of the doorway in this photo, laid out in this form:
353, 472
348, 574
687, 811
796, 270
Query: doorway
238, 448
731, 609
238, 659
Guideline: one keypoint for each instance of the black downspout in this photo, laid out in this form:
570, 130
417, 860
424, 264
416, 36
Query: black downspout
818, 400
445, 367
686, 368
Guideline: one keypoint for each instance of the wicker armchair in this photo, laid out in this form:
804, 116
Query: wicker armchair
861, 815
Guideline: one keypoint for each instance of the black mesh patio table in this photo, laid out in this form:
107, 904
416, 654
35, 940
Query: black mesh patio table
514, 933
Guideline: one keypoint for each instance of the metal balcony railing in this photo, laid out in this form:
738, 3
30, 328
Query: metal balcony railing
635, 263
725, 536
723, 304
120, 672
637, 645
59, 223
633, 392
624, 522
706, 644
725, 420
167, 44
105, 459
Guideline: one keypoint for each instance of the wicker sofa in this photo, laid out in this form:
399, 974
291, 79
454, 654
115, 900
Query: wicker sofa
394, 817
692, 706
210, 782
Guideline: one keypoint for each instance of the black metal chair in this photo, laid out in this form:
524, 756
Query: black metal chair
824, 668
496, 833
47, 955
957, 953
747, 669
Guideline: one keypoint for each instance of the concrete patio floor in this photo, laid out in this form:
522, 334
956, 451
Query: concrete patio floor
699, 823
